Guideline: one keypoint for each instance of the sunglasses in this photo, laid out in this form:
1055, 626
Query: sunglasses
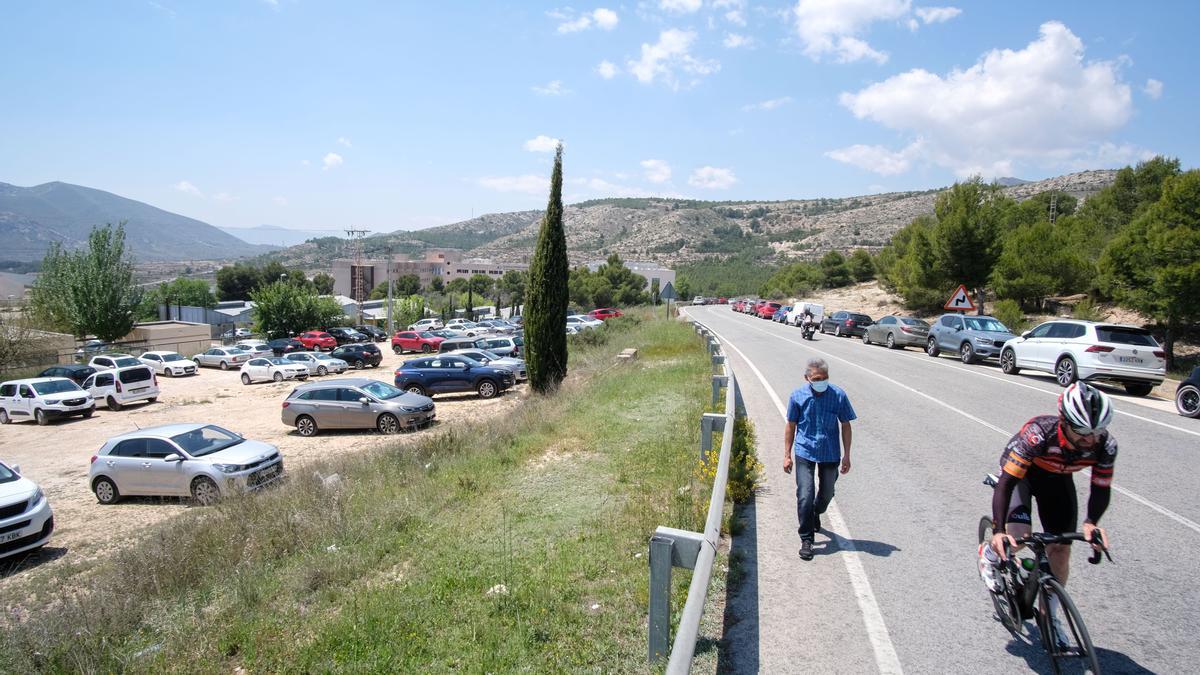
1086, 431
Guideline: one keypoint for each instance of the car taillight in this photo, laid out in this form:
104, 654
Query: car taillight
156, 379
1160, 354
118, 383
1099, 349
94, 458
905, 329
849, 322
285, 404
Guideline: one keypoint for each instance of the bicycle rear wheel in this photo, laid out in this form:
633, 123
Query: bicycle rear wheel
1080, 655
1004, 603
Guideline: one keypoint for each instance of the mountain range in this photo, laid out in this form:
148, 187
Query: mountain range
33, 217
274, 235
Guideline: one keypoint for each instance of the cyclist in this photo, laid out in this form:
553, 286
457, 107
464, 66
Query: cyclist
1038, 463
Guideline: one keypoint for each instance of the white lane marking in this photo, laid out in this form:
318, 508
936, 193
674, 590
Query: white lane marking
1182, 520
881, 642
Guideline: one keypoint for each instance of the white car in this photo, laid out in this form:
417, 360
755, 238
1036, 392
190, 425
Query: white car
274, 368
427, 324
318, 363
255, 347
26, 520
108, 361
583, 322
43, 399
121, 386
236, 333
1089, 351
170, 364
466, 327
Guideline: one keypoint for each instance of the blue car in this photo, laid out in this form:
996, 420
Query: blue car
780, 314
452, 373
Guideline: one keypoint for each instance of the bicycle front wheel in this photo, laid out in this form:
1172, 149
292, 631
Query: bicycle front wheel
1079, 654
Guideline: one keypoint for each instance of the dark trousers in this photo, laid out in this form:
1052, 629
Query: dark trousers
807, 492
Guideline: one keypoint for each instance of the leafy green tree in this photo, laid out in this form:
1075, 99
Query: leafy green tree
90, 291
459, 285
1153, 265
437, 285
403, 286
323, 283
834, 270
968, 235
514, 285
282, 308
862, 267
181, 291
481, 284
238, 281
1038, 261
407, 310
545, 314
794, 280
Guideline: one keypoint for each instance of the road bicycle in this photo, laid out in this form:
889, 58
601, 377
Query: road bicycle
1027, 585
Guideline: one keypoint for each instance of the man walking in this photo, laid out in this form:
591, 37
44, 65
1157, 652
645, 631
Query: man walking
818, 411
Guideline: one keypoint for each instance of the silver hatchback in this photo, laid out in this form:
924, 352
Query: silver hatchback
355, 403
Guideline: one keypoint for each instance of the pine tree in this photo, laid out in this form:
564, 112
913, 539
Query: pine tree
546, 303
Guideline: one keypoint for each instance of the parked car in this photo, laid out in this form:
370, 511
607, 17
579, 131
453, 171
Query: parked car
347, 336
26, 520
605, 313
90, 348
275, 368
427, 324
780, 315
121, 386
413, 341
505, 345
1187, 395
1089, 351
236, 333
583, 322
722, 301
699, 300
203, 461
255, 347
222, 357
43, 399
318, 363
469, 328
846, 323
796, 316
517, 320
767, 309
170, 364
897, 332
498, 326
971, 337
282, 346
446, 373
112, 361
355, 403
487, 358
446, 333
462, 343
317, 340
359, 355
375, 333
76, 372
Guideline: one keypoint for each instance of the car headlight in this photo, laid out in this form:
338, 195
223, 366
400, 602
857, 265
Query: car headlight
38, 495
228, 468
408, 409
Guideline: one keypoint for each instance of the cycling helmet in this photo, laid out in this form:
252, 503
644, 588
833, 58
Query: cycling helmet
1086, 409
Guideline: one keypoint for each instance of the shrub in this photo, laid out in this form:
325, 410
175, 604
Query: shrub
1009, 313
1087, 310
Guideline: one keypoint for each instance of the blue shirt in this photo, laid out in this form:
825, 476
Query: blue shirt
817, 418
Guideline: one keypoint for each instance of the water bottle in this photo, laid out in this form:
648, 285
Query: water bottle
1028, 564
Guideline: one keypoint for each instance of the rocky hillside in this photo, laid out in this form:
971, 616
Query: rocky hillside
674, 231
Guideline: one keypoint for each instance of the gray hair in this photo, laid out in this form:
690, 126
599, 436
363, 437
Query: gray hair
817, 364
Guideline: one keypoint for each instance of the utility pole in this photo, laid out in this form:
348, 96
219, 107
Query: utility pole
1053, 206
389, 289
355, 237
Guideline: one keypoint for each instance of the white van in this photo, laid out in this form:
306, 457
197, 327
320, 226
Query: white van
121, 386
796, 316
43, 399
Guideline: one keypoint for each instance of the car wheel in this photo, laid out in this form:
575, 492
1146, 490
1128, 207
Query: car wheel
931, 347
167, 372
891, 341
278, 377
197, 362
322, 370
866, 338
106, 491
1138, 388
415, 389
425, 349
4, 418
205, 491
1008, 362
112, 403
358, 365
388, 424
397, 350
1064, 371
88, 413
152, 399
224, 365
486, 389
967, 353
306, 426
837, 330
1187, 401
41, 417
245, 379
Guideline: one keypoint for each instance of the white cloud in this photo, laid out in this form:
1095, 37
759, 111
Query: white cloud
1153, 89
671, 53
657, 170
344, 142
937, 14
607, 70
712, 178
185, 186
605, 19
280, 201
224, 197
551, 88
770, 104
735, 17
529, 183
1041, 105
602, 18
574, 26
681, 6
873, 158
830, 27
541, 143
735, 40
601, 187
331, 161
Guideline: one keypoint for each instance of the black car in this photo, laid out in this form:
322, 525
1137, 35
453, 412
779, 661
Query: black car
283, 346
374, 332
846, 323
1187, 396
76, 372
359, 355
347, 336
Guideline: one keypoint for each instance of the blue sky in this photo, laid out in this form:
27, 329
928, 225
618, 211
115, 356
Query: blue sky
326, 115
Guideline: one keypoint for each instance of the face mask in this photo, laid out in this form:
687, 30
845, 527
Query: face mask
820, 385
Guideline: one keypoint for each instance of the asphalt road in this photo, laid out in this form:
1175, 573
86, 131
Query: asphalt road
894, 586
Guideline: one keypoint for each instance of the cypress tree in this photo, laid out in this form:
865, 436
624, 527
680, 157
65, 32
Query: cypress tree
546, 301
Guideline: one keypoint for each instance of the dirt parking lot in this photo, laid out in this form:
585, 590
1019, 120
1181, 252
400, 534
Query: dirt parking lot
57, 456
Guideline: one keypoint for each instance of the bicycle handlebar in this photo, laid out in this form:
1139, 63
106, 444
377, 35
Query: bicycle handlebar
1041, 539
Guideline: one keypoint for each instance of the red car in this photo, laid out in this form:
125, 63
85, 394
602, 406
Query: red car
722, 301
413, 341
768, 309
605, 313
317, 340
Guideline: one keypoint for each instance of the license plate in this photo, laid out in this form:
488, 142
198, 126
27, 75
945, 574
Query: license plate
9, 537
1129, 359
271, 472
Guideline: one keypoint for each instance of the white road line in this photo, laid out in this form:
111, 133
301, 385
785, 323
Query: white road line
881, 642
1182, 520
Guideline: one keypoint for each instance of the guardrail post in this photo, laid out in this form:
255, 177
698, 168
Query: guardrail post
709, 423
660, 596
717, 361
713, 345
718, 381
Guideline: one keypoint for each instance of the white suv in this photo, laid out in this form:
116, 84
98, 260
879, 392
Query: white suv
170, 364
1090, 351
121, 386
427, 324
26, 520
43, 399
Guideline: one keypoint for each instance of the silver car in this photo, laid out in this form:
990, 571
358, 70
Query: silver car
26, 520
318, 363
202, 461
223, 358
355, 403
256, 348
488, 358
897, 332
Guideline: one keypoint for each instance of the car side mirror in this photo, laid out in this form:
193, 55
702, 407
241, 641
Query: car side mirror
16, 468
364, 400
173, 457
1026, 334
466, 368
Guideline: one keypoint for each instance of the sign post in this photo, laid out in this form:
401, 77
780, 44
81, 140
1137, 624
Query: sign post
668, 294
960, 301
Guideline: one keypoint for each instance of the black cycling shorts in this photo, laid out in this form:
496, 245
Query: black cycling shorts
1057, 505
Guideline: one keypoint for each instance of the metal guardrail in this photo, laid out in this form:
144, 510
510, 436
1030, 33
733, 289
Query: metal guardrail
670, 547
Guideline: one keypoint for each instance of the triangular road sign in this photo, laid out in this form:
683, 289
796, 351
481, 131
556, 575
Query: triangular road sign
668, 292
960, 301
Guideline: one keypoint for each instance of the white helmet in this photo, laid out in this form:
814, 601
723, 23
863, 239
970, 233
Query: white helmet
1086, 409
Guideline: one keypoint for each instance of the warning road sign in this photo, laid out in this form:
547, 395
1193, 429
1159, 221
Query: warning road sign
960, 301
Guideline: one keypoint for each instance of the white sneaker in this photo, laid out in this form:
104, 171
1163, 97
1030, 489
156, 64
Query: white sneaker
1057, 627
987, 571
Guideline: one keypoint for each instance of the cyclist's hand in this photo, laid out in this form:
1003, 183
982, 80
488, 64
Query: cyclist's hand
998, 540
1089, 532
787, 464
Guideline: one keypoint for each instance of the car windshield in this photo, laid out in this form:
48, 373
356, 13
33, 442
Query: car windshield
983, 323
426, 335
381, 390
914, 322
55, 387
206, 440
7, 475
279, 361
127, 361
1126, 336
172, 357
860, 317
235, 351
